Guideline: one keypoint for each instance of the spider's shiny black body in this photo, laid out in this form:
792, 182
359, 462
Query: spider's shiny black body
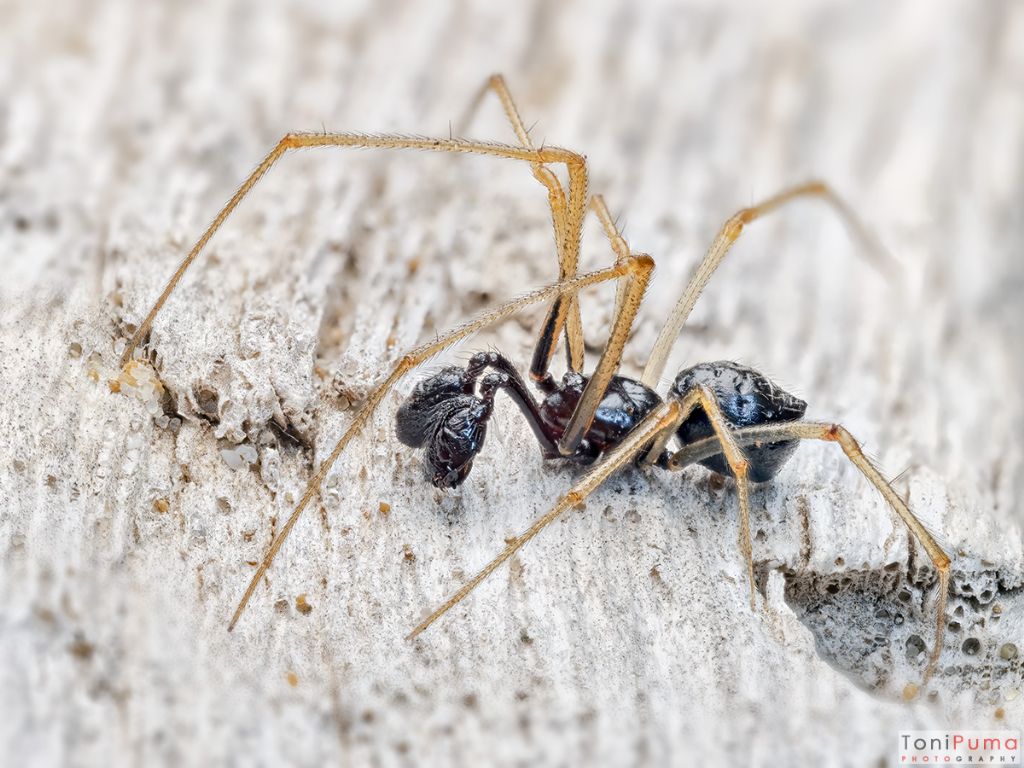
624, 405
747, 398
447, 413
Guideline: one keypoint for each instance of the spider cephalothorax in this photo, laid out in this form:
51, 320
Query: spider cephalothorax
626, 402
711, 410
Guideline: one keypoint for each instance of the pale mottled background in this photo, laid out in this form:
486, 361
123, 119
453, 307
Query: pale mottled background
623, 634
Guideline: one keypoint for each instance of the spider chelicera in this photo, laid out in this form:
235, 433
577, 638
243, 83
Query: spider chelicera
725, 416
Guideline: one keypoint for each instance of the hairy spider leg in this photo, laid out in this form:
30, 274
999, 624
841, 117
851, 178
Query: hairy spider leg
567, 219
661, 422
629, 293
565, 228
666, 417
618, 242
737, 461
409, 361
505, 377
608, 365
539, 367
574, 162
835, 433
725, 239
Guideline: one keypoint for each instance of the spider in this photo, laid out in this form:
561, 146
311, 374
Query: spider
722, 415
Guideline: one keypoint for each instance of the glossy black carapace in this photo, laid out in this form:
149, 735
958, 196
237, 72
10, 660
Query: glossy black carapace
447, 414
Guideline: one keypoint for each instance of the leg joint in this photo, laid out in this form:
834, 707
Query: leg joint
734, 226
574, 160
839, 434
640, 264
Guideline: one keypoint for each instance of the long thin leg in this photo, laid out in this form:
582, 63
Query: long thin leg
496, 84
734, 456
562, 211
548, 334
414, 358
804, 430
543, 174
728, 235
597, 384
611, 231
619, 245
629, 295
504, 376
577, 186
666, 417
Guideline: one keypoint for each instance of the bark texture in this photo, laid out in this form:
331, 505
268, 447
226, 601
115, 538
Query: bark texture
622, 634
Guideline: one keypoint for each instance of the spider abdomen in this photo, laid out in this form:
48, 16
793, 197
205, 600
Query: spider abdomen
747, 398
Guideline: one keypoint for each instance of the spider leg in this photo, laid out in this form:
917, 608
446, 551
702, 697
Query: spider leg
666, 417
618, 243
576, 207
726, 443
804, 430
549, 329
566, 228
507, 378
496, 84
724, 240
611, 231
568, 258
409, 361
597, 384
628, 296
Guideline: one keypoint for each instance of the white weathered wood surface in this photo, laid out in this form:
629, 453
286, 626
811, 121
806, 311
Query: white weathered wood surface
622, 634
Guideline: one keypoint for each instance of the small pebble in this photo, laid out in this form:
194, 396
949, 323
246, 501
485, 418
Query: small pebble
239, 457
